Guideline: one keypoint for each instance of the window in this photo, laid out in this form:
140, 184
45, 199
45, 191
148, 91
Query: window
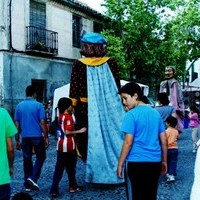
38, 20
37, 14
97, 27
76, 29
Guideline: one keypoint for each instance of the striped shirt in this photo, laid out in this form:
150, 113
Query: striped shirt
65, 143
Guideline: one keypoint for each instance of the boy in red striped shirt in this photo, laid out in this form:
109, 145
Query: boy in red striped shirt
66, 148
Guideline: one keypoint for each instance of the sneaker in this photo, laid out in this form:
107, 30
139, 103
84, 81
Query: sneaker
33, 185
171, 178
72, 190
27, 189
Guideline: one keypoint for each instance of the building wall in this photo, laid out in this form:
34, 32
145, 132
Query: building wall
17, 67
4, 24
19, 70
1, 79
58, 19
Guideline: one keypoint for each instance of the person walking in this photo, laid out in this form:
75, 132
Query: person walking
172, 154
30, 121
194, 124
144, 151
66, 148
163, 107
7, 131
48, 113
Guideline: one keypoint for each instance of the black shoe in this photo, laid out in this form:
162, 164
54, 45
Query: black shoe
32, 184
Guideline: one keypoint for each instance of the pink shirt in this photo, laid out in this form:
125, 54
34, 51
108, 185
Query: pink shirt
194, 120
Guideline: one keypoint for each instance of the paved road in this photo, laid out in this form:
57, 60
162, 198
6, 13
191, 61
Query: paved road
180, 190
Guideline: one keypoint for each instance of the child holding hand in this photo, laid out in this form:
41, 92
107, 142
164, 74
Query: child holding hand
66, 148
172, 153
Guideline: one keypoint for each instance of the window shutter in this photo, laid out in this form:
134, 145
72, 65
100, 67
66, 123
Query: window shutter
37, 14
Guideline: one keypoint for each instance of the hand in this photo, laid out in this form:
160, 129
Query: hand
83, 130
119, 171
46, 142
18, 146
164, 168
11, 171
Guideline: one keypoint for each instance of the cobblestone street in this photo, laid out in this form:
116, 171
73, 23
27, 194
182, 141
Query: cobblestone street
180, 190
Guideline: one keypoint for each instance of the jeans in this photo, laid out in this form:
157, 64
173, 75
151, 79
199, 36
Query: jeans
65, 161
172, 157
5, 192
30, 170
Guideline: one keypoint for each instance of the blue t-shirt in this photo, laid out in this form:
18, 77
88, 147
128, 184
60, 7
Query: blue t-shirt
146, 125
165, 111
29, 114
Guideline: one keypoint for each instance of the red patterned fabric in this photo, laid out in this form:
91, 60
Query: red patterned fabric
66, 143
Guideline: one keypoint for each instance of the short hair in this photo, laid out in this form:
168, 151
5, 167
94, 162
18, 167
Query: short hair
194, 109
163, 98
22, 195
30, 91
172, 121
63, 104
131, 88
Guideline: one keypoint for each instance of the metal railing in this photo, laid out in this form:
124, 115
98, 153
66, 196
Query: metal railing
41, 40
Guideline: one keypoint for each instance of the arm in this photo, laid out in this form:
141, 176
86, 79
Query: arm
10, 153
128, 141
82, 130
163, 141
17, 136
44, 130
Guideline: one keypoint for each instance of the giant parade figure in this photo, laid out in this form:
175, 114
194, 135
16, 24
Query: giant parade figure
173, 89
94, 91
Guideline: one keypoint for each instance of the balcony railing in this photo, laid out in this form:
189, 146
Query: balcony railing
41, 40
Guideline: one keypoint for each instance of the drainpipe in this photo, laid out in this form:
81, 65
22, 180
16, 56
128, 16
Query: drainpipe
11, 49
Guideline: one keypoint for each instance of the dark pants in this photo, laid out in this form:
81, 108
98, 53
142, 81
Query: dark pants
65, 161
172, 157
30, 170
142, 180
5, 192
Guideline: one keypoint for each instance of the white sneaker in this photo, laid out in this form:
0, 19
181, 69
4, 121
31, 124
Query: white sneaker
171, 178
33, 185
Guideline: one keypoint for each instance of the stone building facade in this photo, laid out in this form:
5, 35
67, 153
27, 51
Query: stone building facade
39, 40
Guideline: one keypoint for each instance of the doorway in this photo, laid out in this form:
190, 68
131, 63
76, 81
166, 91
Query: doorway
41, 89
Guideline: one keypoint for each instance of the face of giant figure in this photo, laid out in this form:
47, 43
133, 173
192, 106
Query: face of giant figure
169, 72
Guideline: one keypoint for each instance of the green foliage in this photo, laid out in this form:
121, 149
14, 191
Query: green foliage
116, 50
146, 35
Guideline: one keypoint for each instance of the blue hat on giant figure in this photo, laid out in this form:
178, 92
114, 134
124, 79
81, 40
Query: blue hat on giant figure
93, 38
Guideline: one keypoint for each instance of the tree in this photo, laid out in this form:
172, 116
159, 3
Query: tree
146, 37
